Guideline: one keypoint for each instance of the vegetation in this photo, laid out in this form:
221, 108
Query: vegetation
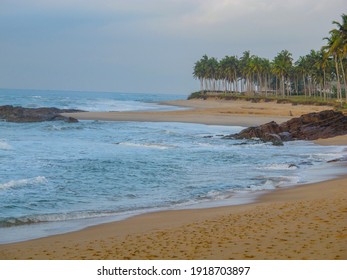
318, 76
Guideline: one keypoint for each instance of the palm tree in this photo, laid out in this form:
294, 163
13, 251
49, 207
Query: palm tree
337, 48
316, 72
229, 68
245, 71
199, 73
342, 46
282, 64
333, 49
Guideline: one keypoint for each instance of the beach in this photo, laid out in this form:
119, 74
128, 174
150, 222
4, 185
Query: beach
302, 222
211, 112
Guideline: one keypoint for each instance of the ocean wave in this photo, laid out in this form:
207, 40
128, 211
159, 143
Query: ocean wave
59, 127
326, 156
24, 182
271, 183
279, 166
147, 145
4, 145
54, 217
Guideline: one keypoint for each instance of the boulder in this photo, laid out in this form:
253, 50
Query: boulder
20, 114
310, 126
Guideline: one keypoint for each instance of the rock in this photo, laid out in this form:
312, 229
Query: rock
274, 138
20, 114
285, 136
310, 126
313, 126
259, 131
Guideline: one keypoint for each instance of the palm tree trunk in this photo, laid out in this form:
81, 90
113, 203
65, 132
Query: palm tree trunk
324, 85
338, 86
344, 78
303, 78
283, 89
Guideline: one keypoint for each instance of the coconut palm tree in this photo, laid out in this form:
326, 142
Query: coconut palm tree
199, 73
341, 34
245, 71
316, 72
337, 48
333, 49
282, 64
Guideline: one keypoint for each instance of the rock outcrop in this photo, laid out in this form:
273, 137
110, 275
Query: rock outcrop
20, 114
310, 126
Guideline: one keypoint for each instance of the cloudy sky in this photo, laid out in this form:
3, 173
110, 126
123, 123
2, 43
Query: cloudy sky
147, 45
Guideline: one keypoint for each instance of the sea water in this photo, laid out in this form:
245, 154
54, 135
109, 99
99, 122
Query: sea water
57, 177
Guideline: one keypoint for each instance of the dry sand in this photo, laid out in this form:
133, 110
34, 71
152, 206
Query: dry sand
218, 112
305, 222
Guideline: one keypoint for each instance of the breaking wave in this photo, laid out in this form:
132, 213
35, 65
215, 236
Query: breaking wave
147, 145
23, 182
4, 145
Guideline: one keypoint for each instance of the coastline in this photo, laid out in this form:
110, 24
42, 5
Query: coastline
210, 112
302, 222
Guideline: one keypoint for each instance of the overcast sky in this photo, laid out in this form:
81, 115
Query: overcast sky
147, 45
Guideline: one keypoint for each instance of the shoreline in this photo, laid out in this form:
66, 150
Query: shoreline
210, 112
299, 222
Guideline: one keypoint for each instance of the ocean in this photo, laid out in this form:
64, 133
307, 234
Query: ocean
57, 177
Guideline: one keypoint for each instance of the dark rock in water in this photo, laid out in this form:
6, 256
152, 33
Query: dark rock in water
274, 138
20, 114
285, 136
310, 126
342, 159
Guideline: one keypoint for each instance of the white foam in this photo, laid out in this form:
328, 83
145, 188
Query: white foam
147, 145
57, 217
23, 182
279, 166
4, 145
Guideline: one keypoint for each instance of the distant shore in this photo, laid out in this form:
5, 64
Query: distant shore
303, 222
211, 112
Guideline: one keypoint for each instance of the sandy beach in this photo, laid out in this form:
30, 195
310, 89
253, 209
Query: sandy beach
212, 112
306, 222
302, 222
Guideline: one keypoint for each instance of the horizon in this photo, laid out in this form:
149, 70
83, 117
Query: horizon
149, 47
93, 91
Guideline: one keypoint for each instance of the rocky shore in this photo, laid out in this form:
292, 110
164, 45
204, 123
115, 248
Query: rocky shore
11, 113
311, 126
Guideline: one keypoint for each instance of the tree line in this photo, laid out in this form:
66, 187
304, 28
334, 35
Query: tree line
320, 73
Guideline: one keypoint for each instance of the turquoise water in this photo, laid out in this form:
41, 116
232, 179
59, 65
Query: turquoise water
57, 177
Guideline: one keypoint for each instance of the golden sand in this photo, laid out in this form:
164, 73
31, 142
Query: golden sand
307, 222
304, 222
217, 112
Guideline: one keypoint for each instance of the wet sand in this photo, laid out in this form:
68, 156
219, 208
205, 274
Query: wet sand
306, 222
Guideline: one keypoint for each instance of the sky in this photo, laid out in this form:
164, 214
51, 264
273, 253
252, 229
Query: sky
147, 46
